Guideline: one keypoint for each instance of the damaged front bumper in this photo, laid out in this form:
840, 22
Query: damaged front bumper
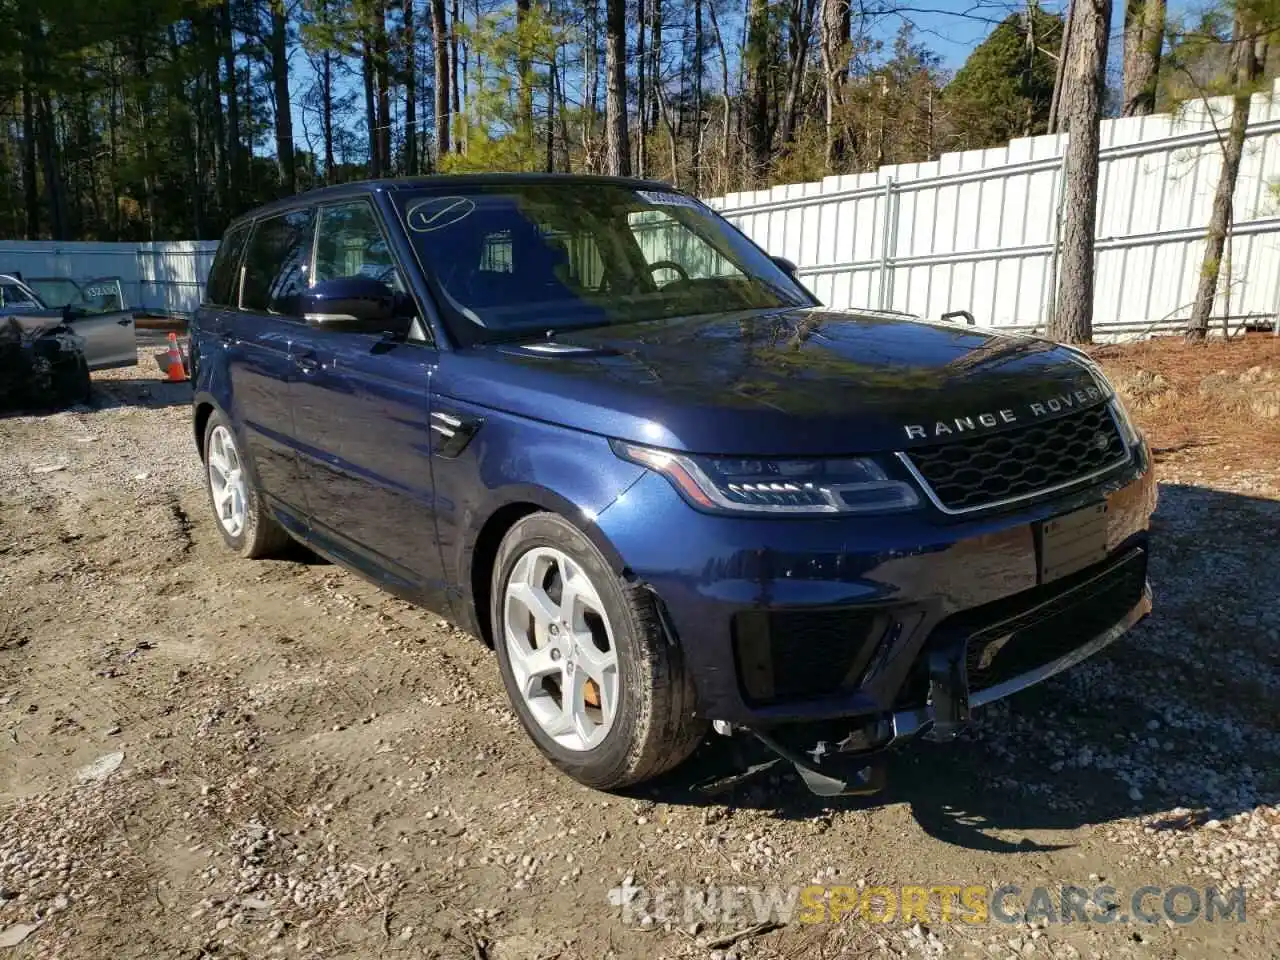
853, 764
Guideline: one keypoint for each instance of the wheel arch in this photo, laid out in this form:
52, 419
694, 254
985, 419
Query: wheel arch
204, 409
483, 549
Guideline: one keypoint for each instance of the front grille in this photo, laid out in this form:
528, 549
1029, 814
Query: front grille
979, 471
784, 655
1035, 627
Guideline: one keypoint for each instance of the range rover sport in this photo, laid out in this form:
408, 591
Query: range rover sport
592, 423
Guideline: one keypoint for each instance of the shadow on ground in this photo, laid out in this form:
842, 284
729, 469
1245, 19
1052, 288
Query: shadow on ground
150, 392
1177, 714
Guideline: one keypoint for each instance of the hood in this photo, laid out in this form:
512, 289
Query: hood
796, 381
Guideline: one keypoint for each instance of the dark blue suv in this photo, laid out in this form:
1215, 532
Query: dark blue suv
591, 422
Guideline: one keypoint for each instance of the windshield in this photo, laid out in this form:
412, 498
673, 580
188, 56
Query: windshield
518, 259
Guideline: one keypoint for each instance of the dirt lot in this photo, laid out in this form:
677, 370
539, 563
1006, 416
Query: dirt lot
206, 757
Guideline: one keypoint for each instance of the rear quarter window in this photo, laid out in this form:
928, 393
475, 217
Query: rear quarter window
222, 288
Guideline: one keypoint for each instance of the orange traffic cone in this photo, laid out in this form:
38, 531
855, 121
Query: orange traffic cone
176, 371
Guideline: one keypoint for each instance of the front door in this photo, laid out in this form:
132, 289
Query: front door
361, 407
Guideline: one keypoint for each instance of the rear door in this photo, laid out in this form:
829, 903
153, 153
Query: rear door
259, 338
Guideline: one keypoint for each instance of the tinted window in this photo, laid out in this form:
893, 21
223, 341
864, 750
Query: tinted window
350, 243
517, 258
275, 264
224, 277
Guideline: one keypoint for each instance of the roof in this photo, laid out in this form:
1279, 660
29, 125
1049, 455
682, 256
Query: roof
393, 184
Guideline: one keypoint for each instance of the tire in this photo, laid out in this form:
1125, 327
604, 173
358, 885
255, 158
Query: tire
243, 520
652, 726
71, 383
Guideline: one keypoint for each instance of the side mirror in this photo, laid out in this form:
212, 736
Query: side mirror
787, 266
358, 304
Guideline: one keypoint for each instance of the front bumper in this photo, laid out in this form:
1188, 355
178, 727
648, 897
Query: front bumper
785, 621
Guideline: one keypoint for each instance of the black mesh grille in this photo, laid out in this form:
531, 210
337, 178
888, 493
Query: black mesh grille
1055, 629
800, 654
977, 471
1036, 626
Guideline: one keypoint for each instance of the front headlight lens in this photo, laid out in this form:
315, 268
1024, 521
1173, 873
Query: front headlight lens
1132, 437
758, 485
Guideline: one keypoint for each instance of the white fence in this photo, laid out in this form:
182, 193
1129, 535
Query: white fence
972, 231
978, 230
163, 277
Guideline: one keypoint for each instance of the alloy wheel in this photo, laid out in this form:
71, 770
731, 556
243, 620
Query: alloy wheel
561, 648
226, 481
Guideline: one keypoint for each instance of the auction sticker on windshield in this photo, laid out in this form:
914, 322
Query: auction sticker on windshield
663, 199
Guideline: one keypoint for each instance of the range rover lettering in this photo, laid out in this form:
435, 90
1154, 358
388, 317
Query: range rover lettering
592, 423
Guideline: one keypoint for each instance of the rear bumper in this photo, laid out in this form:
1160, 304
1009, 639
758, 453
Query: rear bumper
790, 621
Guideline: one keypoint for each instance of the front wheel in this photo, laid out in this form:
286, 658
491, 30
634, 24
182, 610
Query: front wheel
596, 682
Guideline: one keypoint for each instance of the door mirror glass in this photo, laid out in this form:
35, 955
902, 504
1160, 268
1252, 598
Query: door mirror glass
358, 304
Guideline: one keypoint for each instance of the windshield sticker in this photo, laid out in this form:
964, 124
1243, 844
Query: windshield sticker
668, 199
438, 213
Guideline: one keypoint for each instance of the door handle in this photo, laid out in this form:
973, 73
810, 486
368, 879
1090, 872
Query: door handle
126, 322
307, 362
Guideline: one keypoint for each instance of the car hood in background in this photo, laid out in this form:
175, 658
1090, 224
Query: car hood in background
796, 381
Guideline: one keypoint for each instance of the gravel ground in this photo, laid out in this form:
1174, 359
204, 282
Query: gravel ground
206, 757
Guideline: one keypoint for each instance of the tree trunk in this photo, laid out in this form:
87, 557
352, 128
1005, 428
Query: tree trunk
54, 190
699, 44
655, 62
1072, 320
410, 91
188, 136
278, 47
1060, 76
728, 109
642, 91
30, 183
382, 65
801, 28
213, 92
235, 146
837, 24
617, 150
455, 92
371, 107
757, 106
590, 83
1246, 65
1143, 39
326, 109
524, 67
440, 42
551, 113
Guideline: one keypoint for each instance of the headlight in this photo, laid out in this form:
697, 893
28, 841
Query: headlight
1132, 437
756, 485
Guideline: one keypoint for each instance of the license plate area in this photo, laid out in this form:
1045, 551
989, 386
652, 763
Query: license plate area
1073, 541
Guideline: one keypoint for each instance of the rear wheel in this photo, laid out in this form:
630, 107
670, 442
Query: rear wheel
243, 519
592, 675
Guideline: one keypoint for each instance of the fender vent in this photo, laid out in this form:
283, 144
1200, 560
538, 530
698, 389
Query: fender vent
451, 432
